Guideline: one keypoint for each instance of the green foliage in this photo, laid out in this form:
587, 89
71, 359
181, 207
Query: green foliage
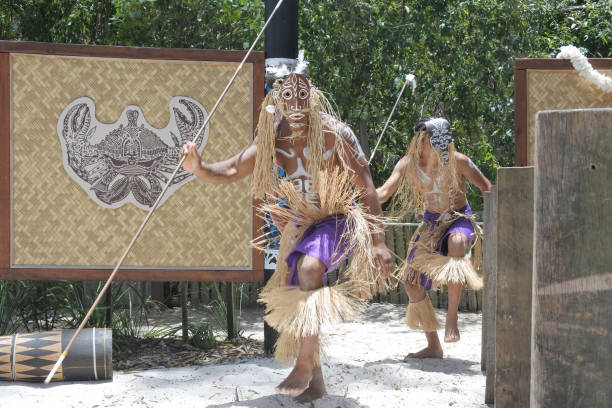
200, 336
42, 306
461, 51
10, 294
220, 308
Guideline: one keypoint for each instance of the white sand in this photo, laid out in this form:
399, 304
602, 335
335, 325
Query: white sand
365, 370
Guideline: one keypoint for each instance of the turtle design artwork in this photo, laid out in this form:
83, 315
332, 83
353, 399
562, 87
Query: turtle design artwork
128, 161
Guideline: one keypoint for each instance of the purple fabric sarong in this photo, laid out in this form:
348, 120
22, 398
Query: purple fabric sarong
461, 225
323, 241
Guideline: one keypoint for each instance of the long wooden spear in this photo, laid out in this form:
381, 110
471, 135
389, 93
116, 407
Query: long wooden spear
409, 79
140, 229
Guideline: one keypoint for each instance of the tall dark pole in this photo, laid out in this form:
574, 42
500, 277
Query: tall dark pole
281, 38
281, 42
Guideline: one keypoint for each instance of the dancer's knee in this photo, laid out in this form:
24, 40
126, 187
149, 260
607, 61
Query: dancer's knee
310, 272
415, 292
457, 244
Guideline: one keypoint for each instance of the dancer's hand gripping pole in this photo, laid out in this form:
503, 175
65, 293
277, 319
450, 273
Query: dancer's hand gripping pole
150, 213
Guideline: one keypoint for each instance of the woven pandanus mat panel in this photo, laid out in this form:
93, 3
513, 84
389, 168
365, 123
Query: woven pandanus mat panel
121, 158
558, 90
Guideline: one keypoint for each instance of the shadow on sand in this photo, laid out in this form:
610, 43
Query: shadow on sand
286, 401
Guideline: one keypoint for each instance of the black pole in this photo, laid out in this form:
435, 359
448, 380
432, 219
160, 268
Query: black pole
229, 308
281, 40
108, 303
184, 313
281, 47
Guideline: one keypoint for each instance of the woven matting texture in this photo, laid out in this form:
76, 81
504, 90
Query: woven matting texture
556, 90
56, 223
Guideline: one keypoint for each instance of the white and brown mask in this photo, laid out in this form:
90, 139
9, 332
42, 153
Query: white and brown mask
440, 136
295, 96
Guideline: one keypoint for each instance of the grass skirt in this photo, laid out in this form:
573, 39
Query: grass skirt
297, 313
425, 258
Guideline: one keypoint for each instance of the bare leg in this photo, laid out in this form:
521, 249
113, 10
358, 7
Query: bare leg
451, 332
457, 247
299, 378
316, 388
304, 373
416, 293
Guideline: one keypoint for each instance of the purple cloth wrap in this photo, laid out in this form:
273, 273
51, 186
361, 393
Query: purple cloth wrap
461, 225
323, 241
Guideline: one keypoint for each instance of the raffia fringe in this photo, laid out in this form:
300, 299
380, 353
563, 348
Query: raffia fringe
446, 269
287, 349
439, 268
421, 315
297, 314
336, 196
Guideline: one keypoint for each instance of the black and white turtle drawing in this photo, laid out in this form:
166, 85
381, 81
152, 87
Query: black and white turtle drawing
128, 161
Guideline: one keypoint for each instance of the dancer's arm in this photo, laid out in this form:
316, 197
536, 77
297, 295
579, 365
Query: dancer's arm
470, 171
362, 179
226, 171
393, 182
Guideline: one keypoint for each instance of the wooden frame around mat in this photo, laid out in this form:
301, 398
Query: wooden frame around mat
255, 63
522, 68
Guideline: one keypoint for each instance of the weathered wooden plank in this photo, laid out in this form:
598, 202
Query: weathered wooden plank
472, 301
490, 291
463, 299
443, 298
488, 306
434, 295
514, 276
572, 362
479, 299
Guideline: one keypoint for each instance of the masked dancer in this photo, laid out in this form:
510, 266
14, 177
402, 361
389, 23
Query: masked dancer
431, 177
309, 168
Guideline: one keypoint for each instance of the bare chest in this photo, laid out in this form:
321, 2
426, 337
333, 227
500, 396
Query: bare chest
294, 159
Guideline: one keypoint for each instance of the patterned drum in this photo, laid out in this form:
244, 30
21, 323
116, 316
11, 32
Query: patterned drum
31, 356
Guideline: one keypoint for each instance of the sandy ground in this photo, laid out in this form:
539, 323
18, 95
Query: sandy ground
366, 369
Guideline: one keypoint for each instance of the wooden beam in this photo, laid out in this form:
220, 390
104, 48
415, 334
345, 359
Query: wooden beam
520, 117
514, 275
558, 64
154, 275
106, 51
490, 292
5, 160
572, 362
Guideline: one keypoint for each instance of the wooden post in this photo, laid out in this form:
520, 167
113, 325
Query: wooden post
231, 312
157, 291
108, 304
514, 276
572, 331
184, 314
490, 291
194, 293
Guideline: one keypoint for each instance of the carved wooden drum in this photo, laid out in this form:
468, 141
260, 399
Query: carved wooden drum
31, 356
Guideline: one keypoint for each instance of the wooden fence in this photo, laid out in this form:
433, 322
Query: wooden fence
397, 240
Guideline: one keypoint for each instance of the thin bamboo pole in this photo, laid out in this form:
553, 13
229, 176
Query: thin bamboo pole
141, 228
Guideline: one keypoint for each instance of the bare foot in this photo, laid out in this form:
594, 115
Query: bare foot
451, 334
297, 381
427, 352
315, 390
